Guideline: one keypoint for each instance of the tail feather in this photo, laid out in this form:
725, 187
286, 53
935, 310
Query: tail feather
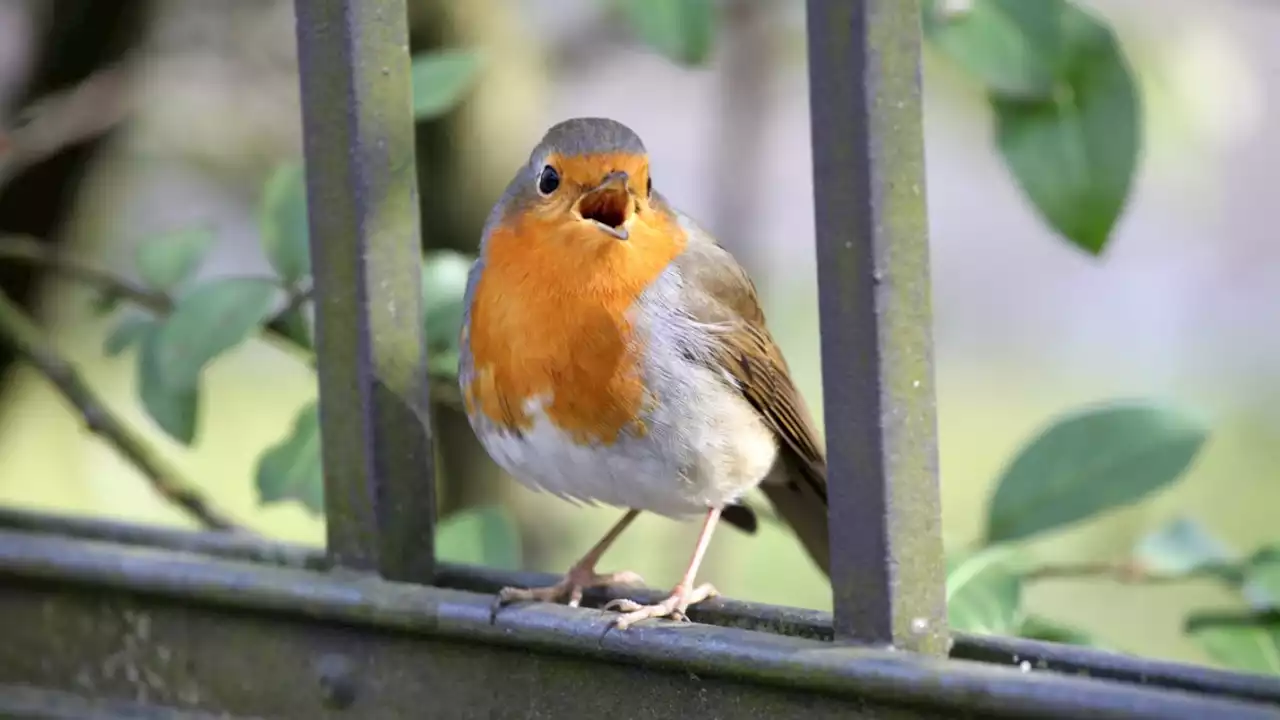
741, 517
802, 504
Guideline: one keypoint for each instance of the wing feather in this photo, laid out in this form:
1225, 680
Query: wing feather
720, 294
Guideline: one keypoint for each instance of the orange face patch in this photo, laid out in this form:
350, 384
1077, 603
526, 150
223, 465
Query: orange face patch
586, 171
549, 320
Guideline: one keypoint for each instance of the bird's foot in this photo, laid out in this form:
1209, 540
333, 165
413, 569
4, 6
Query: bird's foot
673, 607
569, 590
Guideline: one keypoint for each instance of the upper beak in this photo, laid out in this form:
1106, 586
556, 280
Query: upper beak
609, 204
616, 179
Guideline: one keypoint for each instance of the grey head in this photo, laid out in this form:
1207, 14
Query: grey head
586, 136
567, 138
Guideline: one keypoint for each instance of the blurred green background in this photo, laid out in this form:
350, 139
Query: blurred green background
1183, 307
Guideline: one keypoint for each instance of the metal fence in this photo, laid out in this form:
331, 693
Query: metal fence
106, 620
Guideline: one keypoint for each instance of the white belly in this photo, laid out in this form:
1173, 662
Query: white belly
694, 455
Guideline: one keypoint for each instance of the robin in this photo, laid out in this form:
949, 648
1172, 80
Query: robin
612, 352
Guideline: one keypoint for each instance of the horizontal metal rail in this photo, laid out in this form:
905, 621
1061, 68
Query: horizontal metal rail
1007, 653
217, 635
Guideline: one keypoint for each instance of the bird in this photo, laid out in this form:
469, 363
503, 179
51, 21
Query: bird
613, 353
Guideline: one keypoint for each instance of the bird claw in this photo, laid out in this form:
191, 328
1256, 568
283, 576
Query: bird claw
674, 607
568, 591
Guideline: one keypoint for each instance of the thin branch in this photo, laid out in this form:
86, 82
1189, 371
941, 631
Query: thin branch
1269, 617
1129, 572
65, 118
22, 334
29, 251
297, 299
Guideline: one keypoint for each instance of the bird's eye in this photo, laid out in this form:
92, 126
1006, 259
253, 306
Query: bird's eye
648, 188
548, 180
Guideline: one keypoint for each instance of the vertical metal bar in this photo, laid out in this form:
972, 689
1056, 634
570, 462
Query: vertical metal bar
366, 256
887, 571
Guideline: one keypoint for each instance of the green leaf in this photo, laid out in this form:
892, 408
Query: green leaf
1185, 546
130, 330
1011, 46
1238, 645
479, 536
984, 592
1262, 579
1090, 462
1036, 627
1074, 154
440, 79
168, 260
290, 469
208, 321
443, 364
682, 30
283, 220
444, 282
174, 410
105, 302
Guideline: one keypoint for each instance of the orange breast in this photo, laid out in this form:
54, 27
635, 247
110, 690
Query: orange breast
549, 320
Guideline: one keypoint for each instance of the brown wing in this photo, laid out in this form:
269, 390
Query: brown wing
720, 292
746, 350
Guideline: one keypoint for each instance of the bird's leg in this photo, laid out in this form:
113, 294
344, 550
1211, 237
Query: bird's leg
581, 576
684, 594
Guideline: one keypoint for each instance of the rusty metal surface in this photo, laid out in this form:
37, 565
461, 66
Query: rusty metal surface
887, 571
246, 664
31, 703
138, 623
724, 612
353, 58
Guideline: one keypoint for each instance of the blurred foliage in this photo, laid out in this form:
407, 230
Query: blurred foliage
282, 220
983, 592
440, 80
1082, 466
680, 29
169, 260
204, 320
1088, 463
291, 469
480, 536
1248, 641
1036, 627
444, 282
1068, 119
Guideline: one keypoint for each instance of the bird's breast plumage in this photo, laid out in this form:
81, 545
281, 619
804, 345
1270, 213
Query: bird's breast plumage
551, 325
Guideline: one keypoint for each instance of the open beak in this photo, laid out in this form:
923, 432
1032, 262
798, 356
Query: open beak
609, 205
